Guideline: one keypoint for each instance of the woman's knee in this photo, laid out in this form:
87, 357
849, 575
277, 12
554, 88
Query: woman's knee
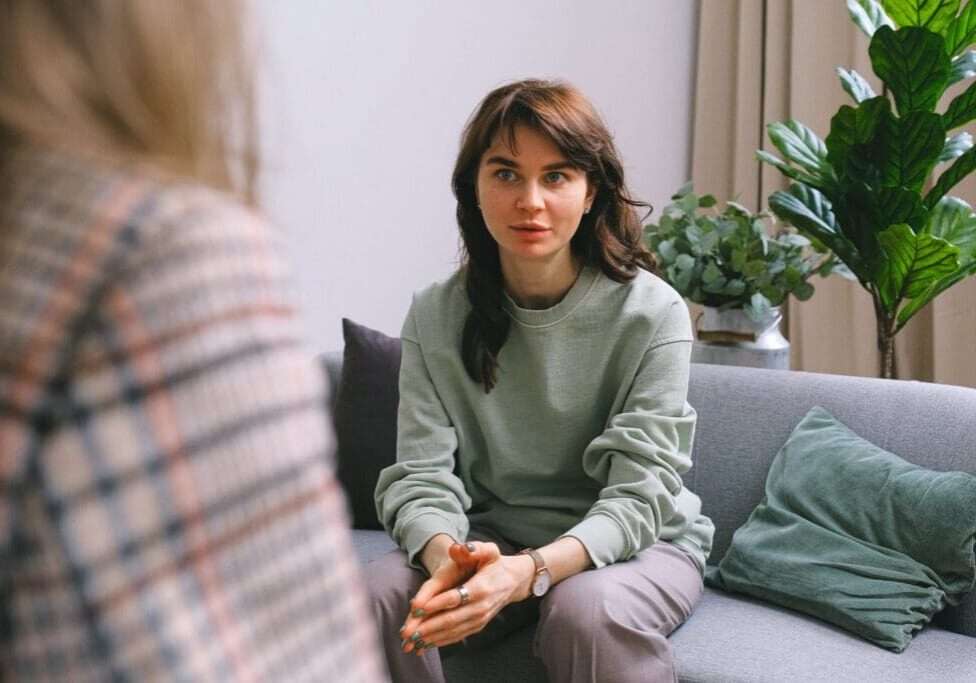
575, 608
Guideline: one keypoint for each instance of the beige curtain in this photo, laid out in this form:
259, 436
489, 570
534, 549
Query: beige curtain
772, 60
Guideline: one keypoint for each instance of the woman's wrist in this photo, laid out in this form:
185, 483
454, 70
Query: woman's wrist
524, 572
434, 552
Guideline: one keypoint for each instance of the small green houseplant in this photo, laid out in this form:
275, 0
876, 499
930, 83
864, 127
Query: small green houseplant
875, 191
730, 259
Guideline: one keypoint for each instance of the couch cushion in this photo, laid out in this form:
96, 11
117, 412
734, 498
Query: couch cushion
733, 638
365, 416
855, 535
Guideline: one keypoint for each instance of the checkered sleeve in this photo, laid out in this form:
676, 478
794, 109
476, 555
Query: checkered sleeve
178, 516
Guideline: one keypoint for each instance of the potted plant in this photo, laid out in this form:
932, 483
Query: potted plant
735, 265
875, 191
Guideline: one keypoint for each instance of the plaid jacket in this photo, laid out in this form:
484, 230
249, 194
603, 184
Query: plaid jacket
168, 509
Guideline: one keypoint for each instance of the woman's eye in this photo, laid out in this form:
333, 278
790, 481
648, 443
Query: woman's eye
505, 175
555, 177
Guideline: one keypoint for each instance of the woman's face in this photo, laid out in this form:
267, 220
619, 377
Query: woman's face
532, 200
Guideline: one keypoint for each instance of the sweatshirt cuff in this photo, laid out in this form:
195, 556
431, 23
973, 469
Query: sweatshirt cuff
420, 529
602, 537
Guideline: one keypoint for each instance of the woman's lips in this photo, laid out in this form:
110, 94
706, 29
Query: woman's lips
530, 231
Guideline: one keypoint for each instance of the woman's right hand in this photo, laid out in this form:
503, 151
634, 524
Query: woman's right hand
449, 617
461, 562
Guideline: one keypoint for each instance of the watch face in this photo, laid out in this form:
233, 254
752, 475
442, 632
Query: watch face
541, 583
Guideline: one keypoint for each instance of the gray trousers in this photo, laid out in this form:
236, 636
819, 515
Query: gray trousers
605, 625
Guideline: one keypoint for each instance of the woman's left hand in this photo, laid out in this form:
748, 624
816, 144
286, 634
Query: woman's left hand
497, 581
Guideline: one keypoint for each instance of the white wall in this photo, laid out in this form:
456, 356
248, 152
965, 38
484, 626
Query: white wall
363, 103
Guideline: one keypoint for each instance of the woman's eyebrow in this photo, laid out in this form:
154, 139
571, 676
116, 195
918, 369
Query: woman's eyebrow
509, 163
559, 165
501, 161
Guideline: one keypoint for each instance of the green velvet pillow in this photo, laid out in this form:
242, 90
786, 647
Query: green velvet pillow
854, 535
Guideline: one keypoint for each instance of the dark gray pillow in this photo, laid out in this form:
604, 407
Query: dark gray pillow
365, 416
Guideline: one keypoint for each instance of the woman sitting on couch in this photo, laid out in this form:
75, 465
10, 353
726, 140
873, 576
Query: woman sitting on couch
543, 422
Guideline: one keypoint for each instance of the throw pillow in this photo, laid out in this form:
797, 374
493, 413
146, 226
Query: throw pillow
855, 535
365, 416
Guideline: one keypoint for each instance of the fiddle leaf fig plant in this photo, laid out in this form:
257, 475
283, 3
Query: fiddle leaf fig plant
729, 259
875, 190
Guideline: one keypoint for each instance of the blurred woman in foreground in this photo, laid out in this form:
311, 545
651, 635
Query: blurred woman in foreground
167, 503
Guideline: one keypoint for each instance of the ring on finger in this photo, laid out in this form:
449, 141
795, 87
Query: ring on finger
465, 595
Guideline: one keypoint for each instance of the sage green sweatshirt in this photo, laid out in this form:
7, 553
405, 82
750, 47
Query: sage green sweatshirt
586, 433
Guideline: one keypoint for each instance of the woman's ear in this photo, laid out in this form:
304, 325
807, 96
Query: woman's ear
591, 188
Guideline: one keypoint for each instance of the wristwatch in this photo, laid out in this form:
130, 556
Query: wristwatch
541, 580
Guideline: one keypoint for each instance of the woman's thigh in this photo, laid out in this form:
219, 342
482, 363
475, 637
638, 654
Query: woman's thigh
612, 624
391, 582
653, 592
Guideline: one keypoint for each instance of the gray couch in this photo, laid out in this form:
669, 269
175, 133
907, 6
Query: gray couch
745, 415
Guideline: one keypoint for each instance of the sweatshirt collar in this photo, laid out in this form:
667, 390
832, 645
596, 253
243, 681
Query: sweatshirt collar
554, 314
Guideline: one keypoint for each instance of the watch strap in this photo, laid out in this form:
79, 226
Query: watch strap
536, 556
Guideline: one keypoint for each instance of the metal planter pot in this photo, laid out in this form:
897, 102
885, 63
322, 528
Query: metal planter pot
731, 337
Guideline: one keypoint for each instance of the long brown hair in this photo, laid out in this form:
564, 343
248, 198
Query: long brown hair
609, 236
165, 84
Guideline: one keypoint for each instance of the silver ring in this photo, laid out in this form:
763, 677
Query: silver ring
465, 595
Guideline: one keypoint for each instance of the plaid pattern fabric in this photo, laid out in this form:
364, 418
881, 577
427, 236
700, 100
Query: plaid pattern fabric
168, 509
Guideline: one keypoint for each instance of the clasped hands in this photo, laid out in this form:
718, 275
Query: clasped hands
437, 616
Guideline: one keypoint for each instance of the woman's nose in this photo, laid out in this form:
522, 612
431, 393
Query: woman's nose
530, 198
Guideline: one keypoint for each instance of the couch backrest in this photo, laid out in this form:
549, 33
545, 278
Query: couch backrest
745, 415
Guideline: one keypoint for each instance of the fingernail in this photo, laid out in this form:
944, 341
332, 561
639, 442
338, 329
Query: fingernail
417, 613
429, 646
470, 547
400, 630
415, 637
403, 643
419, 644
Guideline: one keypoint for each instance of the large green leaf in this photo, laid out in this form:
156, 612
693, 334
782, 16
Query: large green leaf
853, 126
909, 148
962, 109
914, 263
934, 15
810, 212
913, 64
963, 66
956, 146
960, 168
855, 85
953, 220
868, 15
919, 302
787, 170
898, 205
800, 145
962, 32
862, 212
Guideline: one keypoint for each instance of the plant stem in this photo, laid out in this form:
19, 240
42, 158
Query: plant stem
886, 346
886, 337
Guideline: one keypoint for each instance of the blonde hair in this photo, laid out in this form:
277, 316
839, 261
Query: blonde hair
163, 82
